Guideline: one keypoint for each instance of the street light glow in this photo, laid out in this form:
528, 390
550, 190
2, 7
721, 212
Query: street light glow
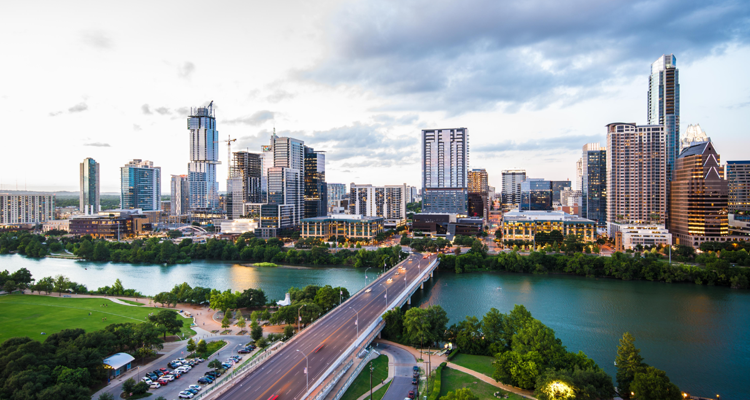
559, 390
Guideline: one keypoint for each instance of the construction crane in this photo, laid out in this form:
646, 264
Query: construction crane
229, 153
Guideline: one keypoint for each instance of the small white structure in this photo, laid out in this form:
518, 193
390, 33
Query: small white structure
627, 236
239, 226
287, 301
118, 364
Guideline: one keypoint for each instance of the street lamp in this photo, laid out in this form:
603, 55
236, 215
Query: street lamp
356, 323
299, 318
307, 375
366, 275
386, 295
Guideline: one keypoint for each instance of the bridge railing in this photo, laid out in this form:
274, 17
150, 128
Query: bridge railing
371, 355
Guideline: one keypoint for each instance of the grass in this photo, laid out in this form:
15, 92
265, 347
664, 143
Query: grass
453, 380
29, 315
265, 264
135, 303
361, 384
378, 394
481, 364
211, 348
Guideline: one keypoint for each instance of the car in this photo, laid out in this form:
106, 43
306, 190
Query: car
237, 358
147, 380
244, 351
176, 374
168, 377
415, 374
368, 290
163, 382
186, 395
415, 368
210, 378
411, 394
415, 381
204, 380
163, 370
193, 391
389, 280
397, 273
154, 385
181, 359
196, 387
226, 365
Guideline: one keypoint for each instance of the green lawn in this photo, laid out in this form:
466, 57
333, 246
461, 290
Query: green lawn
378, 394
361, 384
453, 379
481, 364
29, 315
135, 303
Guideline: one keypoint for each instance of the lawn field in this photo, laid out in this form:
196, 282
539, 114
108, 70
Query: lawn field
453, 379
29, 315
361, 384
481, 364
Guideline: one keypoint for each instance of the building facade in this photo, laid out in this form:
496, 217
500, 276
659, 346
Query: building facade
140, 186
387, 202
664, 105
479, 199
524, 225
26, 208
114, 224
511, 192
247, 167
89, 194
693, 134
351, 227
594, 184
629, 236
336, 193
445, 165
738, 177
179, 195
557, 189
285, 187
636, 175
536, 195
204, 156
316, 191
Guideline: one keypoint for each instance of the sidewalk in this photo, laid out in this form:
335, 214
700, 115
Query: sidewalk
391, 374
486, 379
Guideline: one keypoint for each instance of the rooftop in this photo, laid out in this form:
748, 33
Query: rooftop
516, 215
118, 360
343, 217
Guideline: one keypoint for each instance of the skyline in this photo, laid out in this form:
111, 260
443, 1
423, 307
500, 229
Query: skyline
344, 76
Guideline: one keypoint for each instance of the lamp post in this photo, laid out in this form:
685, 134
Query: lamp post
299, 318
307, 370
371, 369
366, 275
386, 295
356, 323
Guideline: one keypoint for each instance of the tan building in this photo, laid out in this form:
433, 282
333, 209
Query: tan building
628, 237
26, 208
356, 227
56, 224
636, 175
524, 225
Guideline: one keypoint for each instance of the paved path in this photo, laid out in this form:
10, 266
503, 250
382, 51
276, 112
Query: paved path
486, 379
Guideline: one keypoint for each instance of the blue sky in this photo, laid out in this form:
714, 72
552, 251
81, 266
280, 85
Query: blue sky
532, 80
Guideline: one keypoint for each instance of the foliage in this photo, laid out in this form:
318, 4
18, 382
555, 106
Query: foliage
256, 331
435, 392
166, 321
201, 347
653, 384
191, 345
227, 320
424, 325
288, 331
629, 362
128, 385
394, 324
241, 322
460, 394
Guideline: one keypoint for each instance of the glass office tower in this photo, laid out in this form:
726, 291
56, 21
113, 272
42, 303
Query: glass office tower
89, 195
536, 194
204, 155
664, 104
594, 183
140, 186
316, 192
445, 165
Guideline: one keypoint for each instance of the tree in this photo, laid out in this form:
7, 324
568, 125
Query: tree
191, 345
394, 324
174, 234
10, 286
223, 300
653, 384
241, 322
62, 283
201, 347
163, 298
629, 362
460, 394
469, 337
256, 331
226, 321
288, 331
128, 385
166, 321
215, 363
140, 388
106, 396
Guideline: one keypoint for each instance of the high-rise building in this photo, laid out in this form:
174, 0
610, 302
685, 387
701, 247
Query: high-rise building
204, 155
387, 201
536, 195
479, 202
738, 177
336, 194
594, 184
445, 164
26, 208
140, 186
235, 198
316, 192
579, 174
557, 188
636, 175
289, 153
478, 182
511, 194
664, 105
698, 197
412, 194
693, 134
89, 195
179, 195
247, 167
285, 187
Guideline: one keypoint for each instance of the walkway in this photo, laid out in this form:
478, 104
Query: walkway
486, 379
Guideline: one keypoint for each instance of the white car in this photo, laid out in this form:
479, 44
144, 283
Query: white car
147, 380
154, 385
368, 290
389, 280
196, 387
186, 395
181, 359
182, 370
168, 377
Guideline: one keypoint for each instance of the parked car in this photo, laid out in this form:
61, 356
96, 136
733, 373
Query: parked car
415, 368
193, 391
204, 380
186, 395
196, 387
411, 394
236, 358
415, 381
243, 351
163, 382
168, 377
154, 385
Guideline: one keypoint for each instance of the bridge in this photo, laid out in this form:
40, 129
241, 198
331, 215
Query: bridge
310, 365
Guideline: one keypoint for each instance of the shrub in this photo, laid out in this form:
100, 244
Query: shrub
436, 385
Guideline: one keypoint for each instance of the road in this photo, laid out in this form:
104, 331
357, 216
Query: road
173, 389
404, 363
283, 375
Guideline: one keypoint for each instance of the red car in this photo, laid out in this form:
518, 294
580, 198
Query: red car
411, 394
163, 382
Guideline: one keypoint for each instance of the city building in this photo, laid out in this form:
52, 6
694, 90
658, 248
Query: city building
664, 106
26, 208
412, 194
316, 191
239, 226
445, 224
739, 224
636, 175
247, 167
629, 236
511, 191
203, 185
738, 177
66, 212
693, 134
110, 224
117, 364
699, 198
557, 188
140, 186
351, 227
536, 194
234, 200
275, 217
56, 224
90, 187
445, 164
479, 200
524, 225
388, 202
285, 187
579, 174
478, 181
179, 195
594, 184
166, 206
336, 193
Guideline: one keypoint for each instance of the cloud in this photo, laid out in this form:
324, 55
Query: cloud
55, 113
391, 120
557, 143
279, 95
146, 109
78, 108
256, 119
483, 54
186, 70
97, 144
97, 39
163, 110
137, 127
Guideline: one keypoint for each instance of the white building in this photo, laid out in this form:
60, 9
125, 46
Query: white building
239, 226
57, 224
445, 170
628, 236
26, 208
388, 202
204, 156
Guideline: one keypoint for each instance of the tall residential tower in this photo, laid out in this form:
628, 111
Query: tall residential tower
445, 166
664, 105
89, 195
204, 155
140, 186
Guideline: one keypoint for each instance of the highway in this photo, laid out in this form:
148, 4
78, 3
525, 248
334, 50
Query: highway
283, 374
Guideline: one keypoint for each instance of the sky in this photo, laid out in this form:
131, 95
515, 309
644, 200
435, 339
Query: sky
532, 80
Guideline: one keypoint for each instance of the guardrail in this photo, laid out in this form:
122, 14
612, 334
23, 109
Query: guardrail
371, 355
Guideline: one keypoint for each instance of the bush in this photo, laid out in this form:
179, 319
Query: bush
436, 385
140, 388
452, 353
128, 385
107, 396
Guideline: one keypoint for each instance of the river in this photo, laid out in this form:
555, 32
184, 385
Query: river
700, 335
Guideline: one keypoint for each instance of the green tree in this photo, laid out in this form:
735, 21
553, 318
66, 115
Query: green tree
629, 362
215, 363
167, 322
288, 331
226, 321
653, 384
117, 288
241, 322
460, 394
140, 388
62, 283
127, 386
256, 331
10, 286
191, 345
107, 396
223, 300
201, 347
394, 324
174, 234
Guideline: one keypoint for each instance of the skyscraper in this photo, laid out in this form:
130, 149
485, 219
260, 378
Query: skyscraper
89, 195
445, 165
316, 192
636, 175
536, 195
511, 194
204, 155
289, 153
664, 105
140, 186
180, 198
479, 202
26, 208
693, 134
387, 201
247, 167
594, 183
557, 188
336, 193
738, 177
